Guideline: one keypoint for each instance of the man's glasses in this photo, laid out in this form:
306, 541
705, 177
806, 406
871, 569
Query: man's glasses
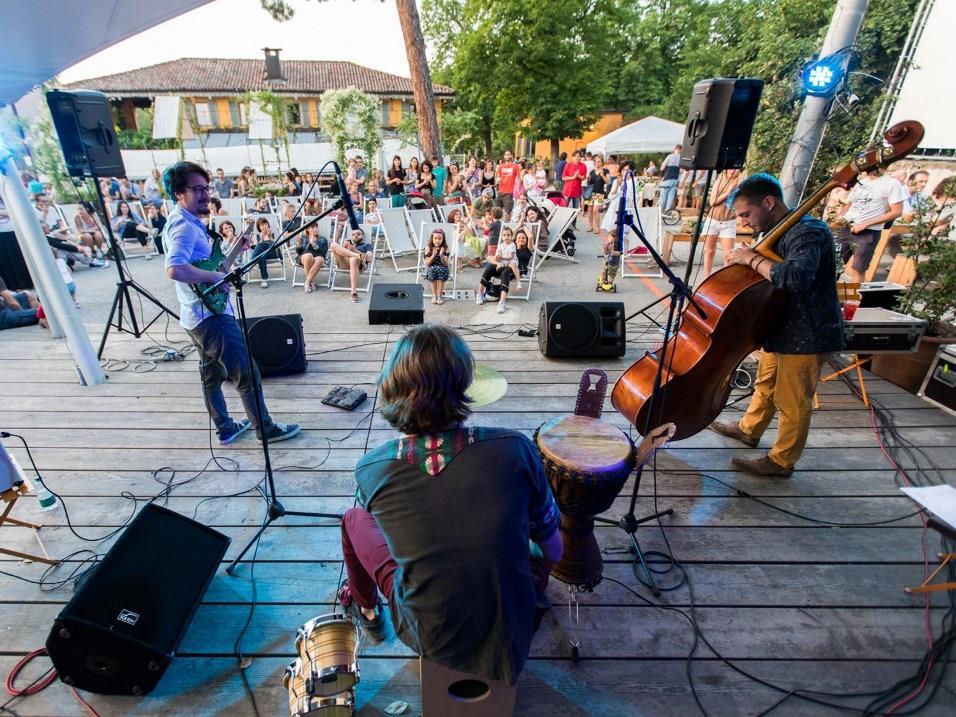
199, 188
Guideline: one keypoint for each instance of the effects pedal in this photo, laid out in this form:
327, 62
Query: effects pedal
347, 398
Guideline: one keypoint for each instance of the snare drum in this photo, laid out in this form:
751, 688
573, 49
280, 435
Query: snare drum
301, 703
326, 647
587, 461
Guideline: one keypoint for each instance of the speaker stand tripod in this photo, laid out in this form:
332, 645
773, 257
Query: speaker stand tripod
122, 311
680, 294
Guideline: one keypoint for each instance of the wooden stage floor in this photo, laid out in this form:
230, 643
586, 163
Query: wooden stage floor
802, 604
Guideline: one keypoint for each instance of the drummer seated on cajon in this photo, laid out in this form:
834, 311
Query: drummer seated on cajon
457, 527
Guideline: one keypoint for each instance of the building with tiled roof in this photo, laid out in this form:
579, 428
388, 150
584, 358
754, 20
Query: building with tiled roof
212, 89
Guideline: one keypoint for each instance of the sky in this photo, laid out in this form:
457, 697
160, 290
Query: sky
364, 31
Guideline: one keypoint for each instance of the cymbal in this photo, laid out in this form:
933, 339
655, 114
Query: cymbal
487, 386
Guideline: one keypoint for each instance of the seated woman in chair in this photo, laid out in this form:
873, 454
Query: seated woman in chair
262, 249
311, 252
130, 225
354, 254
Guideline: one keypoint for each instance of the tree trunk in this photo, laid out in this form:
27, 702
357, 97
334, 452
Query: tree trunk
555, 150
421, 79
486, 136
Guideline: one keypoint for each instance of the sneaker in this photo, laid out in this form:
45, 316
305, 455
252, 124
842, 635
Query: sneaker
479, 298
308, 288
501, 308
376, 629
148, 256
264, 284
225, 438
281, 432
97, 263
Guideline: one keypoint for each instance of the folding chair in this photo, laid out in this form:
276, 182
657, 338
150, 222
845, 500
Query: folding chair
559, 221
273, 257
426, 231
335, 270
399, 242
233, 206
635, 253
327, 230
415, 218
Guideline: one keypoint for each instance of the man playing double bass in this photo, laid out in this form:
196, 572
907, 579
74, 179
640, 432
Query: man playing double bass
809, 330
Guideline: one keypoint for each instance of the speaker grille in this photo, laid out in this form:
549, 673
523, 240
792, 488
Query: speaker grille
277, 344
573, 327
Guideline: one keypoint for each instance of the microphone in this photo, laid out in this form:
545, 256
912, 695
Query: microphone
346, 198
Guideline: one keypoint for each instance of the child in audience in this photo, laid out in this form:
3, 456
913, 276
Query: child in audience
373, 218
67, 276
503, 265
436, 259
493, 225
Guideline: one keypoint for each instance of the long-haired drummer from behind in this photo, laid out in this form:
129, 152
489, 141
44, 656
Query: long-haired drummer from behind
457, 527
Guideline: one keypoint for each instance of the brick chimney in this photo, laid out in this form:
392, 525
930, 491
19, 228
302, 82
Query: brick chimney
273, 68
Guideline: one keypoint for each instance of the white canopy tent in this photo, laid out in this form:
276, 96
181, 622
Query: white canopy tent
39, 40
651, 134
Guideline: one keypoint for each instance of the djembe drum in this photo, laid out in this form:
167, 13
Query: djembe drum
587, 461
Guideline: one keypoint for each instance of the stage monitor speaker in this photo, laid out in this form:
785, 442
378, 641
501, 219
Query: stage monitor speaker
582, 329
939, 386
84, 124
397, 304
121, 629
278, 344
720, 122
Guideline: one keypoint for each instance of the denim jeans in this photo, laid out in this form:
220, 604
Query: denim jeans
262, 252
13, 318
222, 355
668, 194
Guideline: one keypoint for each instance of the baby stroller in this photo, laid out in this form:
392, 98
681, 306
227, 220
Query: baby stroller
559, 200
414, 200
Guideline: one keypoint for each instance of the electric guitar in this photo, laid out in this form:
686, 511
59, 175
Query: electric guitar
217, 301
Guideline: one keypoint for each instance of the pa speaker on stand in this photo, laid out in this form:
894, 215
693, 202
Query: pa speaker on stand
720, 121
84, 124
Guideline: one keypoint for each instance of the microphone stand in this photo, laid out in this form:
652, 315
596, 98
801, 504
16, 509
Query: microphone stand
235, 277
680, 294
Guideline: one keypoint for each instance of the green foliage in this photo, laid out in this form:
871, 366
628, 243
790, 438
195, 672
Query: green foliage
460, 131
277, 107
543, 65
932, 296
350, 118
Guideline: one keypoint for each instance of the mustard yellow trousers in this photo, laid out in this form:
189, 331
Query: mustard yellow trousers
785, 384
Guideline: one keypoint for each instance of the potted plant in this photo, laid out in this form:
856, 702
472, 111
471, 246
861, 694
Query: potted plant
932, 295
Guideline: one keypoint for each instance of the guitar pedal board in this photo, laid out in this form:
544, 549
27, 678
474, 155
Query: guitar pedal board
347, 398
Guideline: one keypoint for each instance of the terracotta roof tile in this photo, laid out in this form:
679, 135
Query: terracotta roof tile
210, 75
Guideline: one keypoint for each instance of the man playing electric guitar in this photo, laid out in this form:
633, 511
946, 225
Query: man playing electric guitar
222, 353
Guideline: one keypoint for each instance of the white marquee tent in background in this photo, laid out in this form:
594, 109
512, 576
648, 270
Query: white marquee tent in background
928, 93
651, 134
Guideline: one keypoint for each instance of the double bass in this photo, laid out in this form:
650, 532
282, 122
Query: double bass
739, 308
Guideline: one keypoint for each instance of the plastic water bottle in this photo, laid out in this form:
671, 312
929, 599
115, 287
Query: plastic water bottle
45, 498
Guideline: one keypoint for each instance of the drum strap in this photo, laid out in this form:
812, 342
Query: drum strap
591, 393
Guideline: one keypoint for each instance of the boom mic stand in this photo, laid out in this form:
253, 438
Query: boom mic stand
122, 301
680, 294
235, 277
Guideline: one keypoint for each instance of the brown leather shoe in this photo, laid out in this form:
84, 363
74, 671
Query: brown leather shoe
762, 466
732, 430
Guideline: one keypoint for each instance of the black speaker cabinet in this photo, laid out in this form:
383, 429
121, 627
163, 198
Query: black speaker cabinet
121, 629
592, 329
278, 344
720, 122
397, 304
84, 124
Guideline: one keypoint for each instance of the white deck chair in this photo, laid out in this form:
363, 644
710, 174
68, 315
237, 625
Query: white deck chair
399, 241
415, 218
327, 230
335, 282
234, 206
559, 221
633, 265
275, 260
528, 278
426, 230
